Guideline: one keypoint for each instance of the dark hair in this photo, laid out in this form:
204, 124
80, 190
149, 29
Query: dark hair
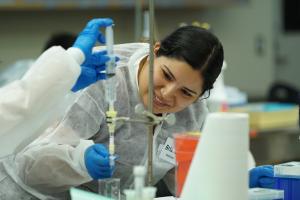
199, 48
63, 39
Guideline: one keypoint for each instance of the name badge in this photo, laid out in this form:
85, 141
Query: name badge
167, 152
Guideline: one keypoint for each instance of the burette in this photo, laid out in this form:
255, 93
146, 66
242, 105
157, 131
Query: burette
110, 93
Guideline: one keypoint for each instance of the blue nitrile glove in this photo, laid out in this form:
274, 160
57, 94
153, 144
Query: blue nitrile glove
91, 70
262, 176
91, 34
96, 159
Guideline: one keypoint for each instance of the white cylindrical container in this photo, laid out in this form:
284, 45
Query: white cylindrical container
219, 167
139, 173
130, 194
149, 193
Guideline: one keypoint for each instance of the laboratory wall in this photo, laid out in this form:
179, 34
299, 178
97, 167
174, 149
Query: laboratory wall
287, 43
248, 31
23, 33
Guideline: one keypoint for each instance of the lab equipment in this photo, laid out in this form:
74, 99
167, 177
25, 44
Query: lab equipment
110, 188
77, 194
139, 173
91, 70
151, 118
129, 194
91, 34
110, 93
97, 162
287, 178
146, 25
262, 176
288, 170
150, 94
185, 146
149, 193
265, 194
219, 169
140, 192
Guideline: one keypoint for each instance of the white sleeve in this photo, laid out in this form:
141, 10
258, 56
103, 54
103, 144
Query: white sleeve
55, 161
27, 104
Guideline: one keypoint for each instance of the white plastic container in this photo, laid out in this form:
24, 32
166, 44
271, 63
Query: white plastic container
288, 170
265, 194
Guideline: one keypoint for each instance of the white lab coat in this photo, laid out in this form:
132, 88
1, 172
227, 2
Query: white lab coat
55, 162
30, 104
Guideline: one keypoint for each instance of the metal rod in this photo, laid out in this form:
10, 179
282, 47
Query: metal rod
150, 92
128, 120
138, 20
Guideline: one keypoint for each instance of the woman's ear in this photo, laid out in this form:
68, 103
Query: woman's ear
156, 48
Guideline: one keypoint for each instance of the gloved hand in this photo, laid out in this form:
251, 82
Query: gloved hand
91, 70
91, 34
94, 63
262, 176
97, 162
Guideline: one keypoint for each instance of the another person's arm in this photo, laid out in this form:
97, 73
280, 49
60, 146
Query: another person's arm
27, 104
64, 156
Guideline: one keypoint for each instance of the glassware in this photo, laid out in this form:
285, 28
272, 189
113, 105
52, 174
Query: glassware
109, 188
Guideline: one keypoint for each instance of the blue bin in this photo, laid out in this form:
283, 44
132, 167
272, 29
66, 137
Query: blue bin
291, 187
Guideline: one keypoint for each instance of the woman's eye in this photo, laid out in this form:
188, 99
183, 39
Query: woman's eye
186, 93
167, 76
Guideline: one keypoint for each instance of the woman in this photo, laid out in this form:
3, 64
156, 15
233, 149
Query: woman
186, 64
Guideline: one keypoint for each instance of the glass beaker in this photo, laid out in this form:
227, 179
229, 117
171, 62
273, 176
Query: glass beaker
109, 187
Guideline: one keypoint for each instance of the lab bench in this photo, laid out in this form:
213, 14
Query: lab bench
275, 146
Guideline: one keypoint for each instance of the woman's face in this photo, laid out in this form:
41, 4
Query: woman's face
176, 84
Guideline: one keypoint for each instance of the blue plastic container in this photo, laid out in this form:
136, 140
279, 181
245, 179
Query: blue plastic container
291, 187
287, 178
